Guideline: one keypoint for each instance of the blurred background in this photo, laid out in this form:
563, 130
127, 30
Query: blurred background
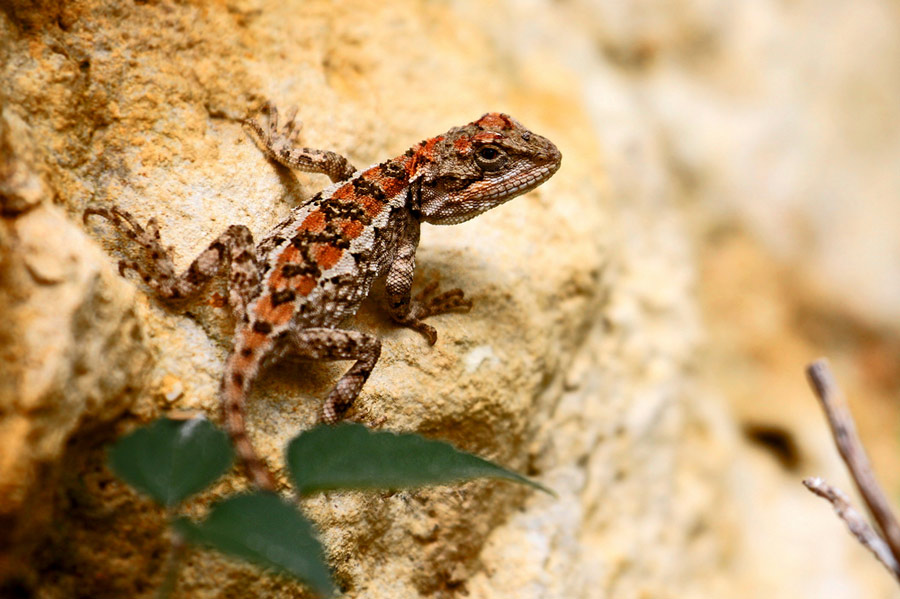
774, 128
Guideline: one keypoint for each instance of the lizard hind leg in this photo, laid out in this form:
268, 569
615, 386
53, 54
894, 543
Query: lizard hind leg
156, 268
249, 352
149, 240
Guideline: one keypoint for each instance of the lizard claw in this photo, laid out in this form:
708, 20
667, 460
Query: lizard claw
270, 111
426, 330
157, 262
425, 304
264, 125
291, 130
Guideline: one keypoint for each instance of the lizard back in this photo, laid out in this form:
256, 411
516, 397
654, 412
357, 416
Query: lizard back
321, 262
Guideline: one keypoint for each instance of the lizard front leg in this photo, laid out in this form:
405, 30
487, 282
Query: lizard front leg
338, 344
234, 247
282, 146
411, 311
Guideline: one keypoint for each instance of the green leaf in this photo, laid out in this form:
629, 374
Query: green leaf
170, 460
264, 529
350, 456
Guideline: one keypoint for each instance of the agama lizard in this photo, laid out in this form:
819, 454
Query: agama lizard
292, 292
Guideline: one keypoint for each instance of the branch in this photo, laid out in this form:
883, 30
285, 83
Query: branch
844, 432
855, 522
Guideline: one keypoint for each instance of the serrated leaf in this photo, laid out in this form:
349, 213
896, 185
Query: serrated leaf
170, 460
264, 529
350, 456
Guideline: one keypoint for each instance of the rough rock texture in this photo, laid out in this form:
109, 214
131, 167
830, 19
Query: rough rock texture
587, 360
64, 314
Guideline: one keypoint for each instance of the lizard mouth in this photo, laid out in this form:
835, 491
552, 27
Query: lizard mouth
515, 184
477, 199
534, 178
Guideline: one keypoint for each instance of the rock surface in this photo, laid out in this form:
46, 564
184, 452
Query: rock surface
589, 360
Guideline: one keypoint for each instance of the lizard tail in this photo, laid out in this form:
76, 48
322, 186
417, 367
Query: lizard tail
240, 371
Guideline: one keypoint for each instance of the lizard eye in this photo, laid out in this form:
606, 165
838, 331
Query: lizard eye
490, 158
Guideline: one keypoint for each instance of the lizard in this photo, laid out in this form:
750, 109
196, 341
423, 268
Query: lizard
292, 292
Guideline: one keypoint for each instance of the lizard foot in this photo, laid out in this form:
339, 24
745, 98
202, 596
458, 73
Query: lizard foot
264, 127
282, 145
160, 269
426, 303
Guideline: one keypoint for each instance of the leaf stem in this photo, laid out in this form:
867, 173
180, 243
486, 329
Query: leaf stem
173, 564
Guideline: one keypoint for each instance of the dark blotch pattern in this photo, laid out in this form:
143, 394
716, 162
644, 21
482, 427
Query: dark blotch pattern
262, 327
282, 297
294, 269
364, 187
337, 209
393, 169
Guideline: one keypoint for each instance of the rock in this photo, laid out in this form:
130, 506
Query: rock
73, 361
578, 364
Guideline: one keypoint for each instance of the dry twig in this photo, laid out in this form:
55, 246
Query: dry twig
887, 544
855, 521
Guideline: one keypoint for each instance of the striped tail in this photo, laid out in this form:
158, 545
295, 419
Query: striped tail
241, 369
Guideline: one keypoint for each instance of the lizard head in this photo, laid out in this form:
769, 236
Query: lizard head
474, 168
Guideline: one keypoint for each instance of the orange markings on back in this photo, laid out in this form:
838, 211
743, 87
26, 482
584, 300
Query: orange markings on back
275, 315
391, 186
351, 229
371, 206
314, 221
327, 255
423, 152
276, 281
427, 151
305, 285
344, 192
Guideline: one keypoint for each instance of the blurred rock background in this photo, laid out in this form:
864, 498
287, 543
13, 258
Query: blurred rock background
728, 210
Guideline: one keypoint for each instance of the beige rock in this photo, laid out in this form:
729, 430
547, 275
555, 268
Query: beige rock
73, 361
578, 364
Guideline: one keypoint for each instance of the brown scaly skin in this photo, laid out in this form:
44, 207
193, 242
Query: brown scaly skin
291, 292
